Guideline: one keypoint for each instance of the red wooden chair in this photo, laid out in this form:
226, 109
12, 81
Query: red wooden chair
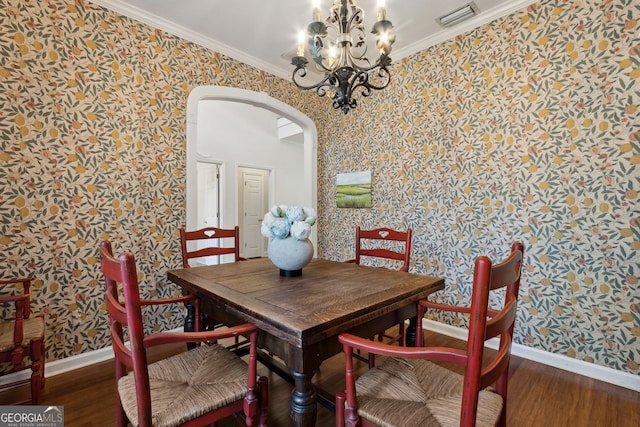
196, 387
409, 389
22, 336
392, 247
212, 236
369, 244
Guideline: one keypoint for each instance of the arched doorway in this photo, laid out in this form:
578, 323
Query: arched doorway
260, 100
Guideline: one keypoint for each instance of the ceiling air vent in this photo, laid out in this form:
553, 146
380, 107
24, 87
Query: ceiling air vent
458, 15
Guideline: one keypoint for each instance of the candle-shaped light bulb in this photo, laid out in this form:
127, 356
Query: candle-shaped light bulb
383, 42
316, 10
301, 36
381, 10
332, 55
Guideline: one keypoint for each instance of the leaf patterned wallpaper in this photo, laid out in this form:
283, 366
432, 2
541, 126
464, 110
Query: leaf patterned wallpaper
526, 128
92, 147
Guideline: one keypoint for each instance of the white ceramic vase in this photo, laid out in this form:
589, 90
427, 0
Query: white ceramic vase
290, 255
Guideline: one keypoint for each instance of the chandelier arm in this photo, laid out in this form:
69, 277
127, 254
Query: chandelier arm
356, 16
383, 62
356, 22
360, 80
383, 72
316, 46
357, 50
319, 87
355, 55
319, 64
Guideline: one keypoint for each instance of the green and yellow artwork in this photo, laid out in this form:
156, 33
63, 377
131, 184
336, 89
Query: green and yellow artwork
353, 190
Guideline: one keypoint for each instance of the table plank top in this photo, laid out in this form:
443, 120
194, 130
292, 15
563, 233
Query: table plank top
329, 297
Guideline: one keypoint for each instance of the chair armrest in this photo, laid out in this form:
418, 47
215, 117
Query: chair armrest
14, 298
26, 285
444, 307
207, 336
445, 354
23, 311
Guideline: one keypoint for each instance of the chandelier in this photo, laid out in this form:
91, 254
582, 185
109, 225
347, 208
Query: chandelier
338, 47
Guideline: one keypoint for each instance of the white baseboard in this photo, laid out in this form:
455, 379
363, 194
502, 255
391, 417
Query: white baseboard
63, 365
580, 367
591, 370
67, 364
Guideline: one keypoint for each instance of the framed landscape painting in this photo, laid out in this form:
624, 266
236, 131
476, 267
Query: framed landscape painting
353, 190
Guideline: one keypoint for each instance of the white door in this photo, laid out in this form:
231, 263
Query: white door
208, 194
253, 204
208, 202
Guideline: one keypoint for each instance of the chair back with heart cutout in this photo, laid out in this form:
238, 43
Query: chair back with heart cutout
384, 243
209, 241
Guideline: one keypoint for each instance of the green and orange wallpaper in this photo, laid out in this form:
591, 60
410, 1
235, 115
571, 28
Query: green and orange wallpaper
93, 147
525, 128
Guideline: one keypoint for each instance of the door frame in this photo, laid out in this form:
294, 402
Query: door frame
269, 184
261, 100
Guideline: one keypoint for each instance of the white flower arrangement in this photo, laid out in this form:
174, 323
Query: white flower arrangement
283, 221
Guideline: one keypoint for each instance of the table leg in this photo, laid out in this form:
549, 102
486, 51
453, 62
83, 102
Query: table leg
189, 318
410, 334
303, 400
190, 322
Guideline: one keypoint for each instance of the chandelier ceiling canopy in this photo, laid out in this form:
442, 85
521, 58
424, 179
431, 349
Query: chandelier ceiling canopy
337, 46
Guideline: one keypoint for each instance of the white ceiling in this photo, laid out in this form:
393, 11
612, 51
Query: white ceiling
263, 33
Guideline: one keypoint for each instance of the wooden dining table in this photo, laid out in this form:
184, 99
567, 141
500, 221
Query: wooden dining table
300, 318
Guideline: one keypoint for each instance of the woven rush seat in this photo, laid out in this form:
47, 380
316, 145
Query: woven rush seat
21, 338
197, 387
408, 389
33, 328
417, 392
188, 385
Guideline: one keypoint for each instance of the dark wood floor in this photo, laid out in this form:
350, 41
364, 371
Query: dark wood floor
538, 395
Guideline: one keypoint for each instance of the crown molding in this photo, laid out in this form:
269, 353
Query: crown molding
463, 27
192, 36
142, 16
